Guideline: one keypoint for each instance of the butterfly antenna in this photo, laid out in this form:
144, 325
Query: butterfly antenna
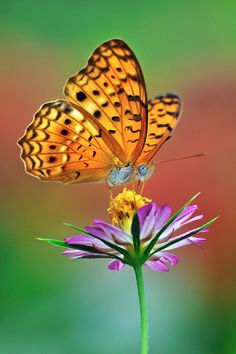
184, 158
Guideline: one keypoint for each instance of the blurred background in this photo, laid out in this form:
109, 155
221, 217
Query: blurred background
52, 305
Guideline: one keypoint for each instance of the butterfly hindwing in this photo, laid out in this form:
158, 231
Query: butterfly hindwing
163, 116
111, 89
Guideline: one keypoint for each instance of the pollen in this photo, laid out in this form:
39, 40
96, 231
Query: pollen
123, 206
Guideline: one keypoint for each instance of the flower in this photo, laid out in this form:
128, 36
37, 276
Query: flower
142, 233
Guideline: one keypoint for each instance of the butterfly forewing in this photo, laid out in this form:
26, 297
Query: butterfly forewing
111, 89
62, 144
163, 116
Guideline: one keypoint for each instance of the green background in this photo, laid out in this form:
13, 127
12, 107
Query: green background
50, 304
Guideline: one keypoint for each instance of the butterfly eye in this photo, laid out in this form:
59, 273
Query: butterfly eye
142, 170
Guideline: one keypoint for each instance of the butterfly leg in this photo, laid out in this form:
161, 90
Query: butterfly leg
142, 187
134, 192
110, 198
110, 194
110, 191
139, 183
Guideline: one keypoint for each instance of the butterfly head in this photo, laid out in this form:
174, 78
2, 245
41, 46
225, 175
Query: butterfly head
144, 171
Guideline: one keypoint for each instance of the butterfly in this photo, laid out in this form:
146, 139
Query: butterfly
105, 129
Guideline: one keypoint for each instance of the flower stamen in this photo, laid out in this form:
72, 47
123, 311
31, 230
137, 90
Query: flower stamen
123, 206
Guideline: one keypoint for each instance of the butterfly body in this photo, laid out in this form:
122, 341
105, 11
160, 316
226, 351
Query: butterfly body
120, 175
105, 129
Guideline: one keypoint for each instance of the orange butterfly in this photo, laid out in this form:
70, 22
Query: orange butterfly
105, 129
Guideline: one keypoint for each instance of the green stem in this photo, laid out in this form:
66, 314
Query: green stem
143, 309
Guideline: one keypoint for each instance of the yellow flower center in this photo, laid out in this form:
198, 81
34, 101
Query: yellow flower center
122, 208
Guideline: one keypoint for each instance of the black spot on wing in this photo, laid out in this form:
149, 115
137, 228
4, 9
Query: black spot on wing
133, 141
132, 130
97, 114
81, 96
68, 109
137, 117
115, 119
64, 132
120, 91
163, 125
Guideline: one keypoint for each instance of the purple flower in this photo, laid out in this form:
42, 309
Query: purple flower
147, 239
141, 233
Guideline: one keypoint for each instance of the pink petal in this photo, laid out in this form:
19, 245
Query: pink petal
186, 213
70, 251
108, 232
80, 240
161, 260
97, 231
158, 266
166, 234
144, 211
116, 264
176, 225
166, 258
81, 254
186, 242
88, 241
162, 216
172, 259
188, 232
147, 224
198, 217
